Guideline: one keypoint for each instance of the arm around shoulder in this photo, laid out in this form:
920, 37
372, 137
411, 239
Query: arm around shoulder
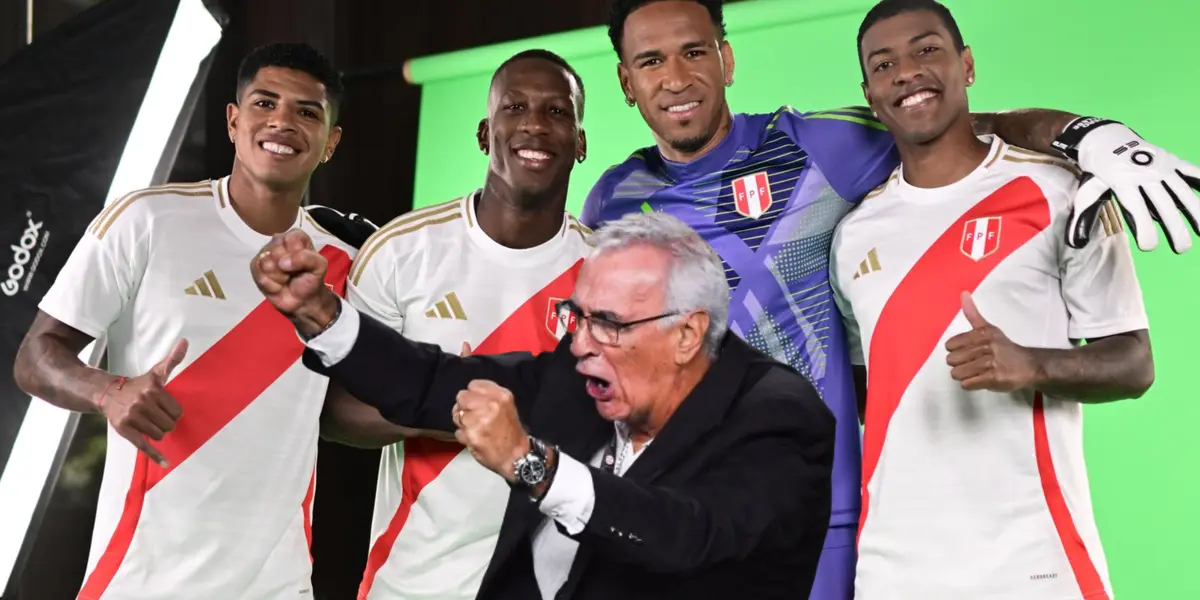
775, 473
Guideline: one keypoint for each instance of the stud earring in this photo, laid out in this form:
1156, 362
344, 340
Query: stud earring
970, 80
581, 158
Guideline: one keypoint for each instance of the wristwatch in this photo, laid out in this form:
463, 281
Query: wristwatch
530, 470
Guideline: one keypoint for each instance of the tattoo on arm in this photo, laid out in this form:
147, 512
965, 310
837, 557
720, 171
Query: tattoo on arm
48, 366
1106, 369
1030, 128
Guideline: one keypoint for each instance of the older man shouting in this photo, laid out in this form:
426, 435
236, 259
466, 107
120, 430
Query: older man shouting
650, 455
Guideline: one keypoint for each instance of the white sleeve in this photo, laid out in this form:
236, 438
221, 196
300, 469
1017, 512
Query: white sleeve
571, 497
1099, 283
371, 286
853, 337
103, 272
333, 344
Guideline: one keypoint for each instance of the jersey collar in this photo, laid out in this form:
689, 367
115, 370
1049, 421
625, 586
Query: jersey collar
714, 161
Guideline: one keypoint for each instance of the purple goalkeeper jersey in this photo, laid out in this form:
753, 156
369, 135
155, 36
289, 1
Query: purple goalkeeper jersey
768, 199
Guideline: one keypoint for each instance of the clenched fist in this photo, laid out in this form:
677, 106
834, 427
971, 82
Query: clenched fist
140, 409
488, 425
290, 273
985, 359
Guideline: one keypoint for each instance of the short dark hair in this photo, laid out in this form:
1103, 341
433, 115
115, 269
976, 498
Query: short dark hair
621, 8
887, 9
300, 57
546, 55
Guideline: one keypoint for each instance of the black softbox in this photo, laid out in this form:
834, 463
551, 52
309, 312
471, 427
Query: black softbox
98, 104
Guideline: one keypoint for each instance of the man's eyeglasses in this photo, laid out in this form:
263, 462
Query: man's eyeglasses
604, 330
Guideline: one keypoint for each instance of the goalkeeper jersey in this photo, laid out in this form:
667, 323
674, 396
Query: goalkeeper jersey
768, 199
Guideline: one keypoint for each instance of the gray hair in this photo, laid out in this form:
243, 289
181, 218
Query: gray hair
696, 280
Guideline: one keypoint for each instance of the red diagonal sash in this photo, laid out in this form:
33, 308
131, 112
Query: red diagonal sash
212, 390
524, 330
928, 299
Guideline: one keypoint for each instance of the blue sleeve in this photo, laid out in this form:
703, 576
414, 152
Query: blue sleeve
850, 146
593, 206
601, 204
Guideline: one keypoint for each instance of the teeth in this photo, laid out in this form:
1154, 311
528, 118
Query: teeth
917, 98
682, 107
533, 155
275, 148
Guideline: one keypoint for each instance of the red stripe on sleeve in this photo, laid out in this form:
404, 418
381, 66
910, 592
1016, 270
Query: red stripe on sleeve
1086, 575
927, 300
212, 390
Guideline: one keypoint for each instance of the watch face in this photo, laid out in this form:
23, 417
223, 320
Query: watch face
533, 471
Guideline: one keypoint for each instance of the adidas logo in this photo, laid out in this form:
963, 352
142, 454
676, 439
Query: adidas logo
868, 266
447, 308
206, 286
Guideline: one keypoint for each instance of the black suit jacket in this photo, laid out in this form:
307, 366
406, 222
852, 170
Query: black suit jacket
731, 500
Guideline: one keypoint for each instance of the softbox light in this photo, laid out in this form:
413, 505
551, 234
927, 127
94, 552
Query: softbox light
92, 111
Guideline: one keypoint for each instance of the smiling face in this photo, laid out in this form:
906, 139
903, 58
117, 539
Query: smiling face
532, 133
916, 79
675, 67
282, 127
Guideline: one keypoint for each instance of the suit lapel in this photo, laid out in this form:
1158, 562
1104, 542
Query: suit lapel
700, 412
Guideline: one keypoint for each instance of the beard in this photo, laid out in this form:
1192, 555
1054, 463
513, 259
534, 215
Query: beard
693, 144
690, 145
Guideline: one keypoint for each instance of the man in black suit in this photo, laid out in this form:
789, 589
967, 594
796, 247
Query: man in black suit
651, 455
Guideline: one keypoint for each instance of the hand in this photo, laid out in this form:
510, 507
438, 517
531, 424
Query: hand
141, 409
466, 350
1151, 185
985, 359
290, 273
488, 425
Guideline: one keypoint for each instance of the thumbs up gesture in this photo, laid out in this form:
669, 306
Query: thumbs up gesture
985, 359
140, 409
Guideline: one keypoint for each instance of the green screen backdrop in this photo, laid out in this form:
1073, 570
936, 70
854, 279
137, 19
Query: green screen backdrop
1131, 61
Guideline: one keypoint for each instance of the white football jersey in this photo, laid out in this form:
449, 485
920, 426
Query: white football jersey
229, 518
436, 277
979, 495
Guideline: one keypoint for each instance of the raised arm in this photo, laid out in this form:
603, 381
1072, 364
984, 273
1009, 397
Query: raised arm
410, 383
1154, 187
1031, 128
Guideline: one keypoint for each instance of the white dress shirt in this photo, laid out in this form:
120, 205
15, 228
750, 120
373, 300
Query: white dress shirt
571, 496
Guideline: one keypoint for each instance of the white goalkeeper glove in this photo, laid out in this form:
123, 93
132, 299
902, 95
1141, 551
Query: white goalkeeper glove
1151, 185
